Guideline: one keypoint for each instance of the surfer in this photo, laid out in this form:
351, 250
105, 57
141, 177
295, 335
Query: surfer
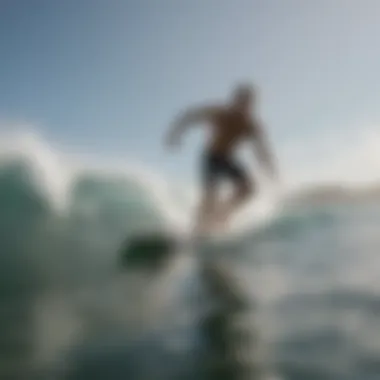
230, 125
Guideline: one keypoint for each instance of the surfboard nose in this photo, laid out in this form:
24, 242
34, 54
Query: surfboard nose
148, 250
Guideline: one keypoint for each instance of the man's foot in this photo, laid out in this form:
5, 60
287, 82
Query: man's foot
221, 221
204, 228
215, 225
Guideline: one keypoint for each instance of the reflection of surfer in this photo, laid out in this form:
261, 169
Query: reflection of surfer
230, 125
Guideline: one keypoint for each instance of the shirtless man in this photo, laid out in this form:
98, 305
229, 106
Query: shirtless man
230, 125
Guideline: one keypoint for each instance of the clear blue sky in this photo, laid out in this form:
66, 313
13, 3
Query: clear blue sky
109, 75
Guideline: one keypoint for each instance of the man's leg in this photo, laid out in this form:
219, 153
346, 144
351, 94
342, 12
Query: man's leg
241, 194
209, 178
207, 208
243, 190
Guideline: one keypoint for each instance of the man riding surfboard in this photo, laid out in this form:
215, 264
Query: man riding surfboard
230, 125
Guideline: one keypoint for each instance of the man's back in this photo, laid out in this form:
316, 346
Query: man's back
229, 128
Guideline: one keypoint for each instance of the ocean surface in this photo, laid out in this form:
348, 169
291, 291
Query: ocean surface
307, 284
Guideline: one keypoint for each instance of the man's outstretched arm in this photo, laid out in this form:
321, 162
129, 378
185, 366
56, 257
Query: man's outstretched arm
187, 118
263, 152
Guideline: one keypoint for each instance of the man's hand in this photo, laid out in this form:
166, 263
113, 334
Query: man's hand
263, 152
278, 186
172, 141
273, 174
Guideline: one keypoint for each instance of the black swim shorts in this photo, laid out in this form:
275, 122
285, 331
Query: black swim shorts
216, 167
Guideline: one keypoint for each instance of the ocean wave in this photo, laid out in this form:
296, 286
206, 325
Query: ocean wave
64, 218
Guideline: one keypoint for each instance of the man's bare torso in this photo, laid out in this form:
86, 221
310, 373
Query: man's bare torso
228, 129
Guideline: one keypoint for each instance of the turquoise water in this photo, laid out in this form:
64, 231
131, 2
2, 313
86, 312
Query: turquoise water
68, 311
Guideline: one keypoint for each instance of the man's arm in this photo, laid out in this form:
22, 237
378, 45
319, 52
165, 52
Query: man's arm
262, 149
187, 118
